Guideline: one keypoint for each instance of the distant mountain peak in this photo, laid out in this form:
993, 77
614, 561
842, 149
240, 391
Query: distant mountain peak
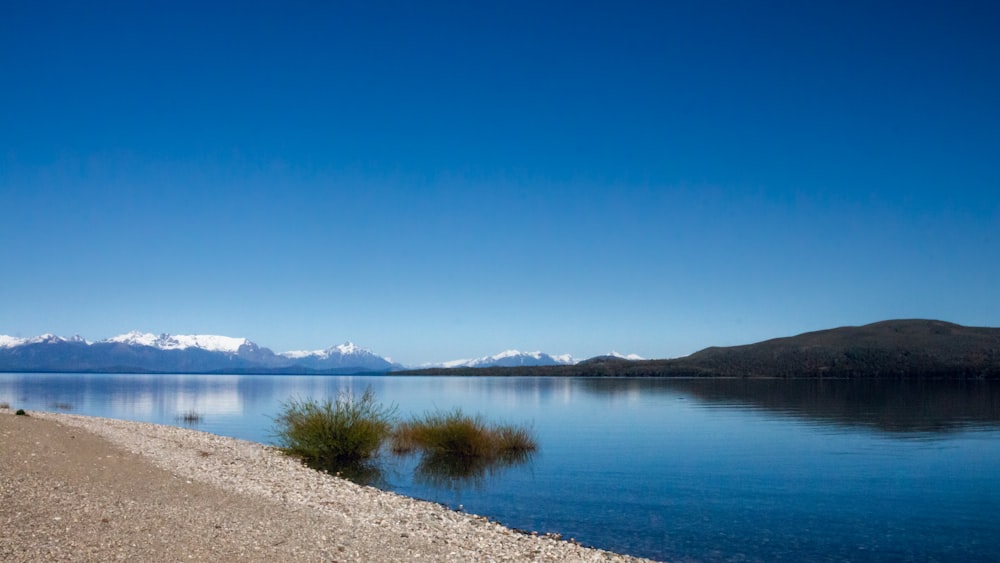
347, 354
11, 341
47, 338
346, 349
350, 348
136, 338
510, 358
633, 357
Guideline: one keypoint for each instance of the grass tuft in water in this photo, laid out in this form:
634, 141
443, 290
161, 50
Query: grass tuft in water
190, 416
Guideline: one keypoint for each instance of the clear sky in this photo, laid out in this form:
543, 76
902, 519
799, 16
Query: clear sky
438, 180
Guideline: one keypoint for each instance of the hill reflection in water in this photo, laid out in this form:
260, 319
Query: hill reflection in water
913, 406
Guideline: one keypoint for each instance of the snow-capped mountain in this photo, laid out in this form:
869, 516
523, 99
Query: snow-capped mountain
166, 353
342, 355
633, 357
209, 342
510, 358
47, 338
11, 341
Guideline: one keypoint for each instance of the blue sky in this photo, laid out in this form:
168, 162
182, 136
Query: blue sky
444, 180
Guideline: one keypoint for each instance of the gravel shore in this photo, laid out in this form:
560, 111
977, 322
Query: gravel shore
76, 488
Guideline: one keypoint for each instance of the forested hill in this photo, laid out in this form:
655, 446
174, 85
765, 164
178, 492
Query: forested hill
889, 349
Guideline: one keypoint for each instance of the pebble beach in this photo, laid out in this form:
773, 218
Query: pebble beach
77, 488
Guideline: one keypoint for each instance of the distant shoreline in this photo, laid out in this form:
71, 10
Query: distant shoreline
900, 349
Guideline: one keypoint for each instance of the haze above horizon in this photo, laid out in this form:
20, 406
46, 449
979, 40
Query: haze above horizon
449, 180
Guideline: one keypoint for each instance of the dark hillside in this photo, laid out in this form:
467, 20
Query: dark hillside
893, 349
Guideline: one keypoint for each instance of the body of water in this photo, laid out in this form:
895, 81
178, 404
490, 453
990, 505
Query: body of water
680, 470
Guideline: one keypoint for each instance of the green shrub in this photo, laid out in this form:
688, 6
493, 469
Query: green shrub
455, 434
334, 435
20, 412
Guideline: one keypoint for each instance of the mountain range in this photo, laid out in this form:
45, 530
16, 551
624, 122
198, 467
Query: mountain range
139, 352
905, 348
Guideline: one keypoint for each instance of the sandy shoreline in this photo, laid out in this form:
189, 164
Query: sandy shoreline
78, 488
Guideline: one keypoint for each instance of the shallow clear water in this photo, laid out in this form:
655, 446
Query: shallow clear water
684, 470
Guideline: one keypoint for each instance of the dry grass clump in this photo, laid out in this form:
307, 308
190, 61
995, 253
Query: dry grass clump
456, 435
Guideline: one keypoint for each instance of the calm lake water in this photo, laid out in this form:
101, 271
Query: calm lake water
681, 470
